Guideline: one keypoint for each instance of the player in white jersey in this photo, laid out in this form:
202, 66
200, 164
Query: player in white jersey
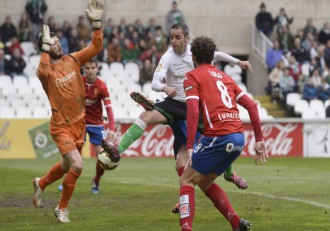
173, 66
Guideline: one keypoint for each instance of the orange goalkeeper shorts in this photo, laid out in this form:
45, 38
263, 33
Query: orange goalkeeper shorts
69, 138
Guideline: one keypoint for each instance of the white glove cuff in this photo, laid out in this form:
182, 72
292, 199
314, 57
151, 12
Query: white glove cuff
45, 47
97, 24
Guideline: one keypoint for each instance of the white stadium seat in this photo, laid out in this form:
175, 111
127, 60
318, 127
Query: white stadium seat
23, 112
7, 112
40, 112
133, 71
300, 106
28, 48
292, 98
17, 103
316, 104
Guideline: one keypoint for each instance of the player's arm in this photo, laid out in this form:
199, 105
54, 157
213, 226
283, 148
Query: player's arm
94, 13
44, 64
108, 107
220, 56
192, 98
157, 83
252, 109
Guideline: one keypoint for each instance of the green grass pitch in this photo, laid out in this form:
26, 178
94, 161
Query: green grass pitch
286, 194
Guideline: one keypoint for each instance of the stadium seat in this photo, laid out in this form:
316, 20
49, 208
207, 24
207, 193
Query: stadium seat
5, 80
134, 87
7, 112
300, 106
23, 112
40, 112
28, 48
4, 103
326, 103
243, 113
17, 103
292, 98
120, 113
316, 104
135, 111
308, 114
133, 71
117, 71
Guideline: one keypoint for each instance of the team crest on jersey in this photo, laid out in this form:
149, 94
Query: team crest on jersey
96, 91
159, 68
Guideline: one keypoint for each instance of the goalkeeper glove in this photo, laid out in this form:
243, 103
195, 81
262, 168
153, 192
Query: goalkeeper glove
47, 41
94, 12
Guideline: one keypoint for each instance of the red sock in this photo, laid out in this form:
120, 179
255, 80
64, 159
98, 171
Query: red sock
187, 207
55, 173
69, 183
99, 173
180, 171
221, 202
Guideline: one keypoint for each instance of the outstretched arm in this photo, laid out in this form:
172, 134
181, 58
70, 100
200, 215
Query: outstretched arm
220, 56
251, 106
94, 12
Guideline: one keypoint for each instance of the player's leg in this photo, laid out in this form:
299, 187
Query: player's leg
96, 135
74, 160
232, 176
227, 148
39, 184
187, 197
59, 135
229, 174
70, 142
136, 130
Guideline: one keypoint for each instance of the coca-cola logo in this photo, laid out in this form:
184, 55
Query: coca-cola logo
155, 142
278, 138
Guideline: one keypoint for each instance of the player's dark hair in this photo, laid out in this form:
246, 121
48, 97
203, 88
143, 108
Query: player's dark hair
93, 60
203, 49
39, 42
183, 27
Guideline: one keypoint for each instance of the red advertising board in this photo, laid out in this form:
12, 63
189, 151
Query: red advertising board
281, 139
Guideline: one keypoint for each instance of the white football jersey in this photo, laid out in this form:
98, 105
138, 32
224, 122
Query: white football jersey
172, 68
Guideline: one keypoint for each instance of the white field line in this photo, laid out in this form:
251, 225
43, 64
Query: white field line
293, 199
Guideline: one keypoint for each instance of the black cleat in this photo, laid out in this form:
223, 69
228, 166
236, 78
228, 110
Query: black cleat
243, 225
112, 151
147, 104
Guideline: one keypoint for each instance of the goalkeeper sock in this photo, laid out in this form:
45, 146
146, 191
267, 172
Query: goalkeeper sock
133, 133
229, 171
69, 183
55, 173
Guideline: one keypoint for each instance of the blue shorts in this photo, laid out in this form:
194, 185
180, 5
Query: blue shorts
216, 154
96, 134
179, 129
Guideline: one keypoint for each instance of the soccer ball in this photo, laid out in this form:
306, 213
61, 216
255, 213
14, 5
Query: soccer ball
105, 162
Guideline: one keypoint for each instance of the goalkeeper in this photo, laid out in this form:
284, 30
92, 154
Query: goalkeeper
60, 77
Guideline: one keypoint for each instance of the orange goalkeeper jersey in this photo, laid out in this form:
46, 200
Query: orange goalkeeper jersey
63, 84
